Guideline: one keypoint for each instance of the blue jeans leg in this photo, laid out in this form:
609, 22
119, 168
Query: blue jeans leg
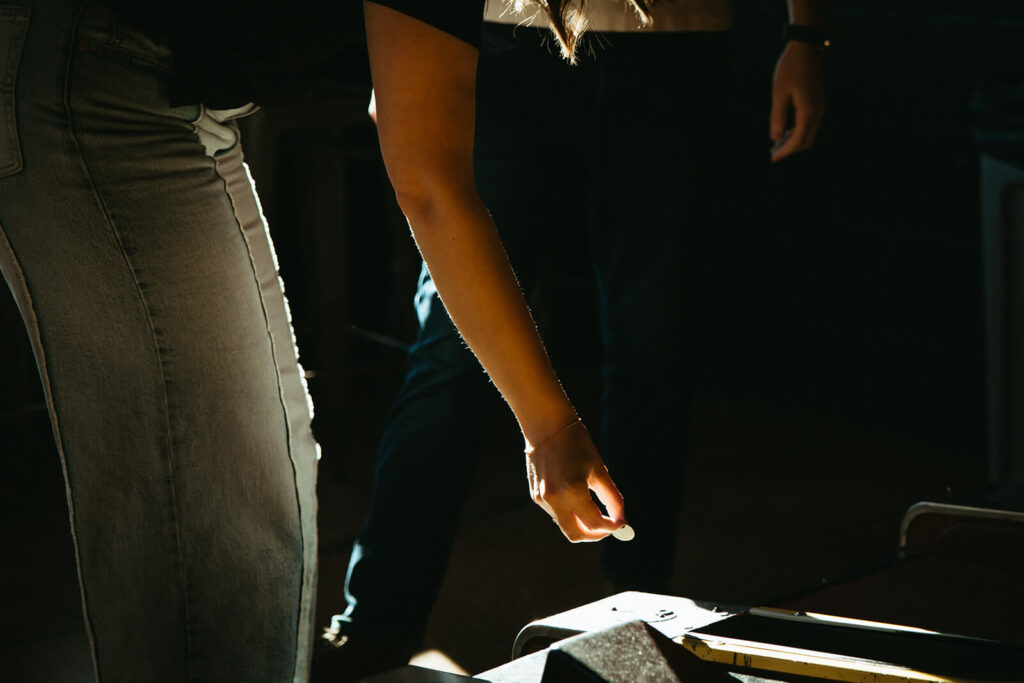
146, 280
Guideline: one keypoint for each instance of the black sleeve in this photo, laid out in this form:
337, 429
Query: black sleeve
461, 18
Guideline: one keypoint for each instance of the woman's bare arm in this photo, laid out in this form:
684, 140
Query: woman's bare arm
424, 84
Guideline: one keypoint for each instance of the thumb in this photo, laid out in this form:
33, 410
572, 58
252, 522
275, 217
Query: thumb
601, 483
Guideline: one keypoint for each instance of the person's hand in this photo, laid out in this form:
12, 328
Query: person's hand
798, 97
562, 471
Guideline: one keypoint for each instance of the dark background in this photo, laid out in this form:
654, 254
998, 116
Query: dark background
842, 335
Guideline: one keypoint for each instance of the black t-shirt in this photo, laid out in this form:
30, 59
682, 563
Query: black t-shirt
461, 18
229, 52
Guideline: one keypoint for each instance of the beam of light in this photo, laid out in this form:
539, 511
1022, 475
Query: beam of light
437, 660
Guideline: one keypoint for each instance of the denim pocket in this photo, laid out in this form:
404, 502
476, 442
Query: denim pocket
13, 29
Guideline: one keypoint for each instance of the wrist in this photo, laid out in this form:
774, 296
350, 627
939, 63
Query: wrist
541, 423
802, 37
534, 446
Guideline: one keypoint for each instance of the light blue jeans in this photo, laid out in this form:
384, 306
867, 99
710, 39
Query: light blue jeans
132, 239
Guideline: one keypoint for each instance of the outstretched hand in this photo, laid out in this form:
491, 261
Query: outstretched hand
798, 99
562, 471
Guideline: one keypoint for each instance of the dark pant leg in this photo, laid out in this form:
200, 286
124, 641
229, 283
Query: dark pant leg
424, 469
655, 160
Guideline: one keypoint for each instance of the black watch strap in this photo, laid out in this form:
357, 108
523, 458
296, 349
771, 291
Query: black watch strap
806, 34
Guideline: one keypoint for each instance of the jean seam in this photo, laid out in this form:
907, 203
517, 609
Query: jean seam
284, 407
101, 205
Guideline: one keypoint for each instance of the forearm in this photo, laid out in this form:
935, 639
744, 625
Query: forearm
807, 12
475, 281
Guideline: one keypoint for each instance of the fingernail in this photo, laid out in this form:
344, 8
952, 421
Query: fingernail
624, 533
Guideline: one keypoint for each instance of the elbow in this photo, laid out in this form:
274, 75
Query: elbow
420, 202
430, 179
428, 195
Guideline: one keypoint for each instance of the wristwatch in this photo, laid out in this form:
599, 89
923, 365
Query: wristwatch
812, 35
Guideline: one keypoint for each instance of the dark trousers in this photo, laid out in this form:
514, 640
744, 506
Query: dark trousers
619, 155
